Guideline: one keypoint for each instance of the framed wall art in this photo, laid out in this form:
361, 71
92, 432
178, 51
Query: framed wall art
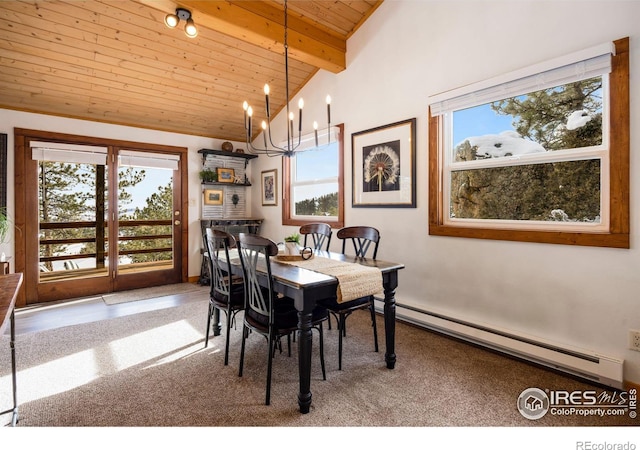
384, 166
226, 175
213, 196
269, 183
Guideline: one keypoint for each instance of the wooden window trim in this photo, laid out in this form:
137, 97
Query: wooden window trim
618, 234
286, 190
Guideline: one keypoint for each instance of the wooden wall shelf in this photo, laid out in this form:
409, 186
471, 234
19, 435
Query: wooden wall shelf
205, 151
217, 183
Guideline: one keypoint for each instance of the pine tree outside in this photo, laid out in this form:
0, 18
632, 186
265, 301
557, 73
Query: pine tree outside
73, 196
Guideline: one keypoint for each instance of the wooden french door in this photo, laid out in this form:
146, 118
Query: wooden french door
100, 215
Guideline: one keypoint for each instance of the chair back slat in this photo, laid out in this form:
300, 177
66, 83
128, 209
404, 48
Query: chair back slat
320, 235
220, 268
253, 250
363, 238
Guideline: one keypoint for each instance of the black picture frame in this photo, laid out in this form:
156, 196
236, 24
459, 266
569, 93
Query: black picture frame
384, 166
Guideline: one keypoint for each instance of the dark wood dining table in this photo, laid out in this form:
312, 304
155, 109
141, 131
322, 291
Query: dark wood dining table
306, 287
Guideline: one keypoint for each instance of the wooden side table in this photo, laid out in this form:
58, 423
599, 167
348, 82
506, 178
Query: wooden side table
9, 287
4, 267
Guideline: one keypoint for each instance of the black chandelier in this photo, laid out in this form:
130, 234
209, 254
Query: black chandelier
292, 144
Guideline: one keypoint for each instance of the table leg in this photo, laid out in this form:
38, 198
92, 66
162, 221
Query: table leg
305, 342
390, 285
217, 327
14, 418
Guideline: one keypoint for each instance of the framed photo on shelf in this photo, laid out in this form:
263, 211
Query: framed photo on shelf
226, 175
213, 196
269, 183
384, 166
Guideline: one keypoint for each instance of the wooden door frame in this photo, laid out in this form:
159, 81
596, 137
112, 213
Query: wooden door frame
26, 241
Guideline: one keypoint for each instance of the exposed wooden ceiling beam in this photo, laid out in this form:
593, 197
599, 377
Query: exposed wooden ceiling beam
263, 25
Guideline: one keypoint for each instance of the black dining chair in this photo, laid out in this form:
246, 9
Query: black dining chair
227, 290
319, 235
267, 313
363, 239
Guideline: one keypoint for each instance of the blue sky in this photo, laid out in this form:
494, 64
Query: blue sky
317, 164
478, 121
154, 179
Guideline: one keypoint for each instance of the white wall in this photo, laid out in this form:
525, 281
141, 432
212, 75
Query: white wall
408, 50
13, 119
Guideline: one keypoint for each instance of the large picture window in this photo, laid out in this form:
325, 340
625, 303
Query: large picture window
313, 183
540, 155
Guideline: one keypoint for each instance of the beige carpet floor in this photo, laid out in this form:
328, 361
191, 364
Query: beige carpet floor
151, 369
133, 295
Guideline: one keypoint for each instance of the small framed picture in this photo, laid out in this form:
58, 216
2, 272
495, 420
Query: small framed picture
269, 187
213, 197
226, 175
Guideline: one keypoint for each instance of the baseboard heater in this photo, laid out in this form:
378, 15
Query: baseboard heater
590, 366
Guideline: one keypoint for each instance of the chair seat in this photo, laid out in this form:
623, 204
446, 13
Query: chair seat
333, 305
237, 296
285, 316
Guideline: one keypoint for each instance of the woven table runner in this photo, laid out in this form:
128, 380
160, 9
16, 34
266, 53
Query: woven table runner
354, 280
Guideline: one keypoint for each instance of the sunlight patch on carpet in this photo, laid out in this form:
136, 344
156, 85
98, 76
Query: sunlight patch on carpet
57, 376
146, 349
156, 346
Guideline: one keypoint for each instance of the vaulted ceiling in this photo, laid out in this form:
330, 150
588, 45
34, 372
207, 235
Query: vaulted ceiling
115, 61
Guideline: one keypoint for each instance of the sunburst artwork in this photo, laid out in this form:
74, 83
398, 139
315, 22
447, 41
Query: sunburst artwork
381, 167
384, 166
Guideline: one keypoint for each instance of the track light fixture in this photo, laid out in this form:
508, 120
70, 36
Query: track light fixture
172, 21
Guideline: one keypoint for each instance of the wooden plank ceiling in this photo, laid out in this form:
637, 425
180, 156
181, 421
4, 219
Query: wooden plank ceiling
115, 61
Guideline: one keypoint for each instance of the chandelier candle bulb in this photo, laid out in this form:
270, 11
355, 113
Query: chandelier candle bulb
291, 126
300, 105
264, 132
315, 131
245, 105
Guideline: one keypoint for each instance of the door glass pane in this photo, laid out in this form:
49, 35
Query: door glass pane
145, 218
72, 227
